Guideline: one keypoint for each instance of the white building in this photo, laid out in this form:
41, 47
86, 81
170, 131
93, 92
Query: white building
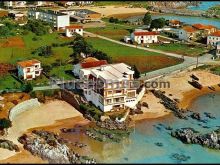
87, 63
114, 86
14, 4
187, 33
71, 30
213, 38
144, 36
58, 19
29, 69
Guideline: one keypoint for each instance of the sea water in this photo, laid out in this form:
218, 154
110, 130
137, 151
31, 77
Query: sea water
140, 146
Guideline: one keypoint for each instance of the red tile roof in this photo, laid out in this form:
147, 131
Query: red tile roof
145, 33
93, 64
202, 27
74, 27
28, 63
217, 33
189, 29
174, 22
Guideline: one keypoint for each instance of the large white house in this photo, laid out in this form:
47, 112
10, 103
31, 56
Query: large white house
89, 62
114, 86
58, 19
144, 36
71, 30
29, 69
213, 38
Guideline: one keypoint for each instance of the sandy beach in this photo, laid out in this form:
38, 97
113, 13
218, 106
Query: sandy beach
60, 114
179, 89
47, 114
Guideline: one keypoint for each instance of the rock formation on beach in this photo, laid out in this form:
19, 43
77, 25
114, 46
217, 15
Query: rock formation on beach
190, 136
49, 146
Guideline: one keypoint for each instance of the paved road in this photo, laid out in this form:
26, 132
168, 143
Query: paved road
188, 61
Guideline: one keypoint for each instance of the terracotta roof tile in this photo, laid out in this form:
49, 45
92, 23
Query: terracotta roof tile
189, 29
202, 27
28, 63
74, 27
145, 33
93, 64
217, 33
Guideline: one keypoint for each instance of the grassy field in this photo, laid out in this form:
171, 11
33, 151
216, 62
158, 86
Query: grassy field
62, 72
13, 54
179, 48
11, 51
113, 31
144, 60
9, 82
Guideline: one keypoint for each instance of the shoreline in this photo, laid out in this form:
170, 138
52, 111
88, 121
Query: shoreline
184, 92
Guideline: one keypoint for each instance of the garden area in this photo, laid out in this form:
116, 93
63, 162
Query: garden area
145, 61
183, 49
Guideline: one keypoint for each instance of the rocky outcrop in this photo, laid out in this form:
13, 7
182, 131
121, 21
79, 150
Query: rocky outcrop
9, 145
49, 146
190, 136
113, 125
169, 104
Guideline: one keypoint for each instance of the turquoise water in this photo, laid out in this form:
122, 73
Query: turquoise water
142, 149
140, 146
205, 5
188, 19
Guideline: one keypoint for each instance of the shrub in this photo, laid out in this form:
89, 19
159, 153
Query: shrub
5, 123
27, 87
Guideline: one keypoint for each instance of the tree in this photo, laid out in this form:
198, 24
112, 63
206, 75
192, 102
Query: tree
136, 72
113, 20
81, 46
5, 123
4, 31
27, 87
101, 56
158, 23
147, 19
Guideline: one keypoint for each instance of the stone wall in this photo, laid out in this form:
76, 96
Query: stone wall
22, 107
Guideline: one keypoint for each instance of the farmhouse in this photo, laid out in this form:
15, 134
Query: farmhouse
71, 30
58, 19
174, 23
29, 69
16, 15
188, 33
83, 15
144, 36
87, 63
205, 29
114, 87
213, 38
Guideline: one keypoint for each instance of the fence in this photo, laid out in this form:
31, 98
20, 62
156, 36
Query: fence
22, 107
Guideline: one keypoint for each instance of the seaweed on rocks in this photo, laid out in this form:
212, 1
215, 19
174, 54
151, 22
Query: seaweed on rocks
169, 104
190, 136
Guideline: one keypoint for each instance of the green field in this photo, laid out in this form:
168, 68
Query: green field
62, 72
13, 54
144, 60
9, 82
113, 31
179, 48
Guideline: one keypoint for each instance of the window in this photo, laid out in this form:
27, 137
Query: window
28, 70
109, 92
118, 91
